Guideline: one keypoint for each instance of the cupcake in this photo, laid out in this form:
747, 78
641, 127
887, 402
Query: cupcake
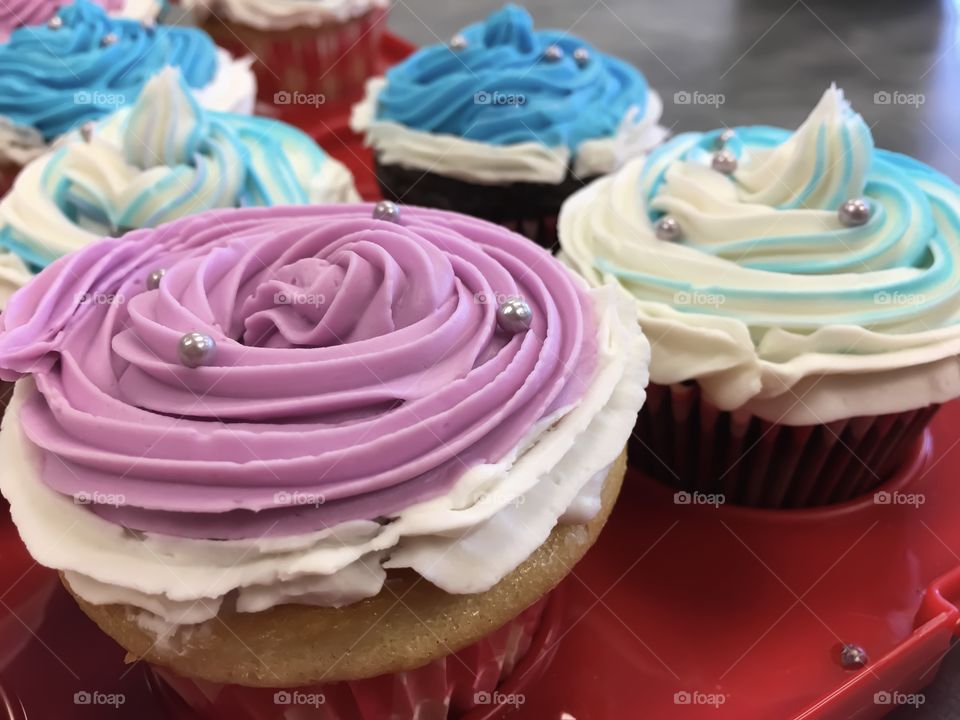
801, 295
505, 122
84, 64
308, 52
344, 450
15, 14
162, 159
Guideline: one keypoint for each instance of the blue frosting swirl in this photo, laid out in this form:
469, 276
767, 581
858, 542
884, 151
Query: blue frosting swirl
501, 90
162, 159
773, 245
54, 79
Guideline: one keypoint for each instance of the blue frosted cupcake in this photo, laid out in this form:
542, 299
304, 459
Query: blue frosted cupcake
505, 122
83, 64
164, 158
801, 293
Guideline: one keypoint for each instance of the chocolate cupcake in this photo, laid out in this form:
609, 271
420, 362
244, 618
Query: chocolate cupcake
505, 122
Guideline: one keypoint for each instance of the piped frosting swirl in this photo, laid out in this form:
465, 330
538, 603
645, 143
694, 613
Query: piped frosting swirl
55, 78
354, 363
164, 158
767, 298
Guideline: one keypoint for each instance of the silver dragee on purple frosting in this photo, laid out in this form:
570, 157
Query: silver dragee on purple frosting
358, 363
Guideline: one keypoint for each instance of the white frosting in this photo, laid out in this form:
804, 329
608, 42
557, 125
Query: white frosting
233, 89
282, 14
140, 9
465, 541
487, 164
788, 378
13, 276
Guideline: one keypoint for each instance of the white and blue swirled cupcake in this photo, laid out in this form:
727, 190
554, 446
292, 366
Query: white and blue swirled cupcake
505, 122
84, 64
802, 296
162, 159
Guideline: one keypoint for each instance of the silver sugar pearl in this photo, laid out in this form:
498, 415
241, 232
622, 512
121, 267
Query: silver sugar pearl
855, 212
554, 53
154, 278
386, 210
55, 23
196, 349
724, 162
582, 56
109, 39
725, 137
853, 657
458, 42
514, 316
86, 131
667, 228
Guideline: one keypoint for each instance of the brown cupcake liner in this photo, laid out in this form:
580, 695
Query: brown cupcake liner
687, 443
530, 209
318, 65
444, 688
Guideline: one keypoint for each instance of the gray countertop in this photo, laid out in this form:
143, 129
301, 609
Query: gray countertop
771, 60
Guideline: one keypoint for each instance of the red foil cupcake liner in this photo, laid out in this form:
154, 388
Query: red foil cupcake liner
332, 61
715, 456
470, 679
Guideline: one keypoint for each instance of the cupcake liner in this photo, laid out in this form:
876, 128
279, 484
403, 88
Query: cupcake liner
308, 66
8, 175
530, 209
441, 689
687, 443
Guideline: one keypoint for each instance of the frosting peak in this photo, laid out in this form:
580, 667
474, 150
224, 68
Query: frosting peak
778, 210
512, 26
822, 164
